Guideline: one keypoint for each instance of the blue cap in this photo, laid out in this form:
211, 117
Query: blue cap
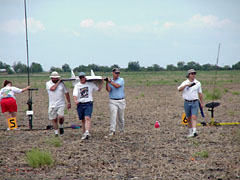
81, 74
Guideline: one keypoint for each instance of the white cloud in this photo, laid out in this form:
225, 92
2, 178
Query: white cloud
168, 24
35, 26
104, 25
12, 26
17, 26
209, 20
87, 23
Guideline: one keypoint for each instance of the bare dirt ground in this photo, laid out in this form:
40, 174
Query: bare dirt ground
143, 152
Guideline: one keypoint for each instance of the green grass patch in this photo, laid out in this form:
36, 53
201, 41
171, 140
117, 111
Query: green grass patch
212, 96
36, 158
235, 93
54, 141
203, 154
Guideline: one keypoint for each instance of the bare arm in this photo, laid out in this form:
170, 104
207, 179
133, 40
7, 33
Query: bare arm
183, 87
75, 100
116, 85
54, 87
108, 88
25, 89
201, 99
68, 100
100, 85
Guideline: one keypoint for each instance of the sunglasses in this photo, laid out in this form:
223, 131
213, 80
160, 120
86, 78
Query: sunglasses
81, 77
117, 72
193, 73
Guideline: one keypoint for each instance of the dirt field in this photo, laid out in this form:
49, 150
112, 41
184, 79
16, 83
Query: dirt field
143, 152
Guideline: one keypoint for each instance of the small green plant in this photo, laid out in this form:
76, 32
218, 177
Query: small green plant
54, 141
195, 143
37, 158
65, 111
203, 154
225, 90
235, 93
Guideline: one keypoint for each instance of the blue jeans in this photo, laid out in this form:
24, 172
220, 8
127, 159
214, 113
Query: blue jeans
191, 108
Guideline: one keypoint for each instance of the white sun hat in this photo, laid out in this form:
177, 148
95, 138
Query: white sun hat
55, 74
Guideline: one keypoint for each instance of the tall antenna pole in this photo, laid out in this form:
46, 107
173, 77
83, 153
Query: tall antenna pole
215, 78
25, 8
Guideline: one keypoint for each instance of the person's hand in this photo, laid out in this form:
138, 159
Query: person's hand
76, 102
202, 105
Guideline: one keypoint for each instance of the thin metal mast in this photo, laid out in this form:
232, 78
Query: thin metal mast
25, 8
215, 78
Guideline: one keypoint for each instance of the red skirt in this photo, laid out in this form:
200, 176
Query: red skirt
8, 105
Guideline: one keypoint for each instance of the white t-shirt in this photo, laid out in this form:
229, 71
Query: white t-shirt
83, 92
191, 93
56, 98
8, 91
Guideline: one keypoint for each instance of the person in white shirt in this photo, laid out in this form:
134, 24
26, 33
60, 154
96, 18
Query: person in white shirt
192, 95
82, 95
8, 100
56, 90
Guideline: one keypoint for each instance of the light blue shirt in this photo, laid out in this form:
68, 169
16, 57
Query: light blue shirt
117, 93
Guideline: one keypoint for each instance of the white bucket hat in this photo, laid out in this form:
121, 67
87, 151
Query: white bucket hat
55, 74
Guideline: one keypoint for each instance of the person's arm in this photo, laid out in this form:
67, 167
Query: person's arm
68, 100
108, 88
100, 85
25, 89
75, 100
183, 85
201, 99
116, 85
54, 87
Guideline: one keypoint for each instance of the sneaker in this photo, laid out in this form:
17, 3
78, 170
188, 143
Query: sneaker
61, 130
112, 133
86, 135
192, 135
195, 134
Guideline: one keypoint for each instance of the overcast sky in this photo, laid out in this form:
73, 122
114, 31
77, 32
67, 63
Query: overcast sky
107, 32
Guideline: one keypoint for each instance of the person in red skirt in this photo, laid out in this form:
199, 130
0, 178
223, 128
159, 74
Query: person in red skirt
8, 100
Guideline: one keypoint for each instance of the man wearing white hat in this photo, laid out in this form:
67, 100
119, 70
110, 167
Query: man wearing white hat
192, 95
56, 90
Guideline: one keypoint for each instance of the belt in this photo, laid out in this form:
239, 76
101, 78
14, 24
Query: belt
85, 102
191, 100
117, 99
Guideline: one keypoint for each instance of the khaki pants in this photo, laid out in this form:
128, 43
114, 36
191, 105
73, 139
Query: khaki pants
117, 110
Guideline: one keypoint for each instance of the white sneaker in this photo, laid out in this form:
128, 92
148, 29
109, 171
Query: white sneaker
192, 135
86, 135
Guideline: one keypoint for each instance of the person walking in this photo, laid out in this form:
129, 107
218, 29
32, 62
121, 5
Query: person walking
82, 95
117, 102
8, 100
192, 95
56, 90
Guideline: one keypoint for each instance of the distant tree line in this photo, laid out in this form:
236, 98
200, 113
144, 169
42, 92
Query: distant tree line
19, 67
